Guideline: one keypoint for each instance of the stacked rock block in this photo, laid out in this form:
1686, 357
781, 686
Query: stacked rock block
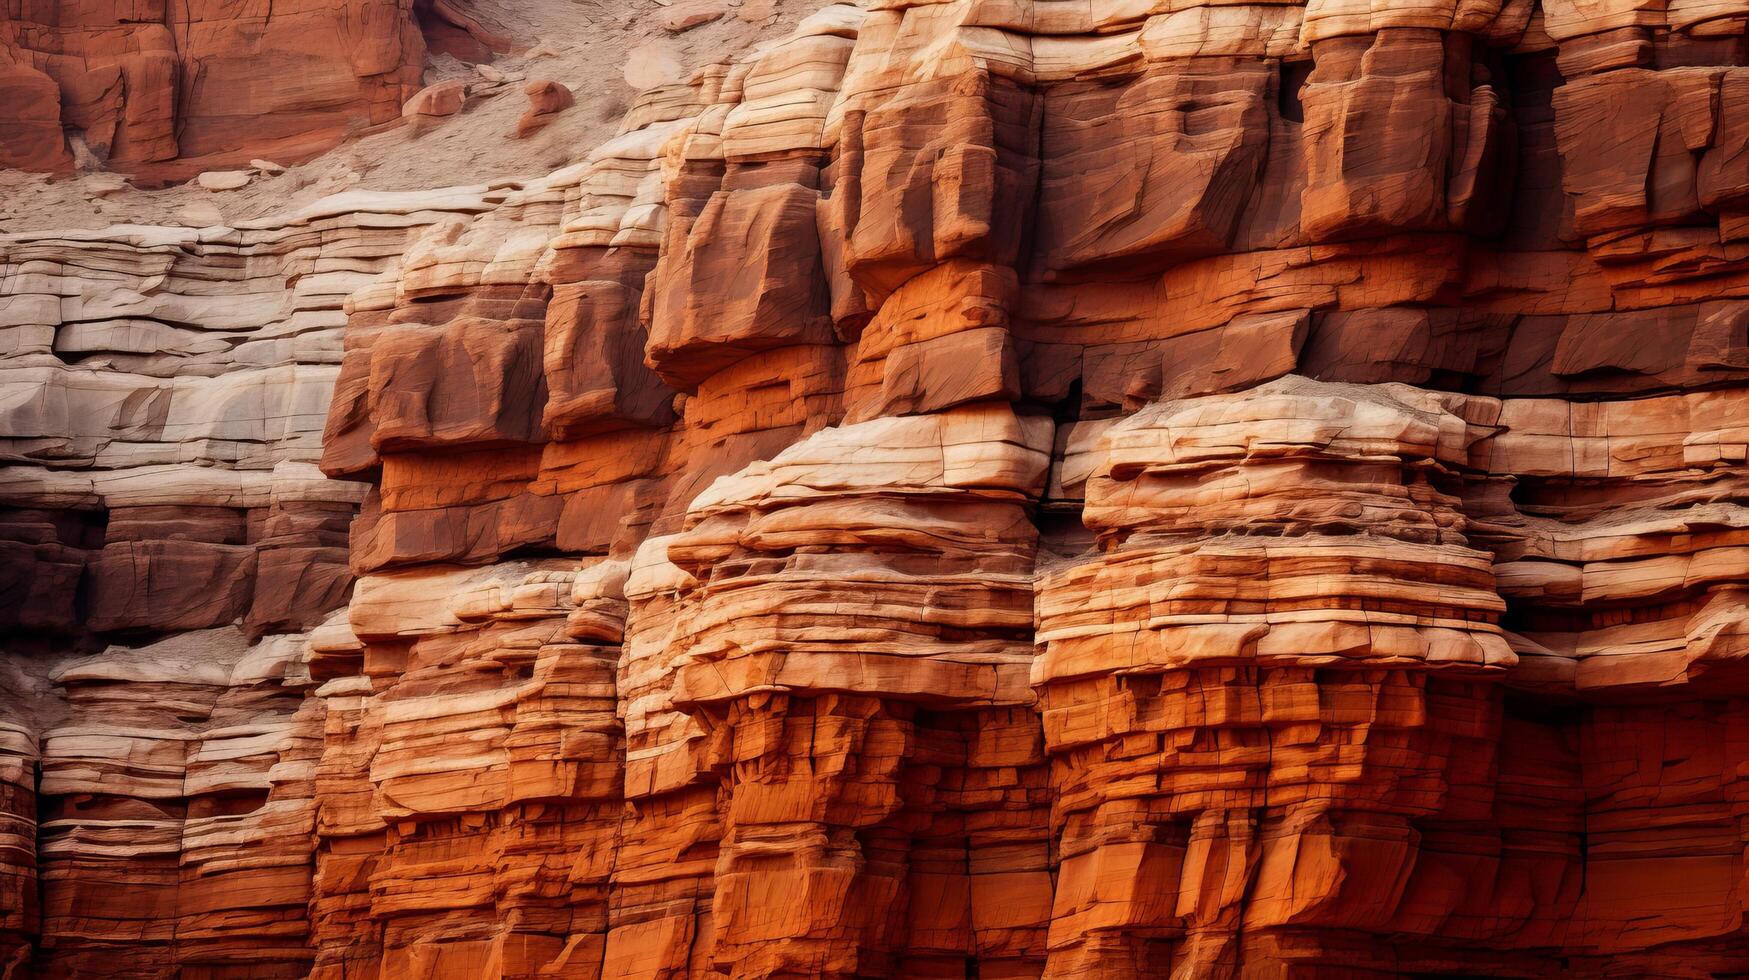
846, 734
972, 489
175, 810
469, 782
1271, 685
165, 394
21, 921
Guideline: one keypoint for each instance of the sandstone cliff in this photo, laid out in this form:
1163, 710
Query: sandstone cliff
978, 488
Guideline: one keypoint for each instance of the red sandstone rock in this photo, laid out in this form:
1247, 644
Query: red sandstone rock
546, 99
30, 127
975, 489
159, 86
687, 14
435, 101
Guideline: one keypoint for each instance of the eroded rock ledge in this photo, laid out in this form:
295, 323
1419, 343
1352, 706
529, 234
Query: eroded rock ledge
976, 489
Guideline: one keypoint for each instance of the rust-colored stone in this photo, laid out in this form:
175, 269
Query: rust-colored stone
175, 88
1000, 489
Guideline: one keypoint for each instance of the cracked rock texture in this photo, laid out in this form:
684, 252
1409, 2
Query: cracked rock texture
978, 488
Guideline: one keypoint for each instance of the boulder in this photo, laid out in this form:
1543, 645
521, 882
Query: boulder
546, 99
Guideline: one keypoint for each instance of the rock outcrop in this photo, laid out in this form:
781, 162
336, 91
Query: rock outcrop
165, 86
999, 489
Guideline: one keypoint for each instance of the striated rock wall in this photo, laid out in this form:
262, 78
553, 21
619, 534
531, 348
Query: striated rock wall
999, 489
164, 395
147, 83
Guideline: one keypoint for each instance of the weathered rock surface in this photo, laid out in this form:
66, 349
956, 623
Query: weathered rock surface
546, 99
974, 489
152, 85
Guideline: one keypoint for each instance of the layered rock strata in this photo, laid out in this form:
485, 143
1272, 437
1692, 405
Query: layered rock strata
975, 489
165, 393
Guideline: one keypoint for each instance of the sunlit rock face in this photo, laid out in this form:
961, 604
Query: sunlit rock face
974, 489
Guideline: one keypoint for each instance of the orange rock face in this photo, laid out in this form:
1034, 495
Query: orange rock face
975, 489
148, 82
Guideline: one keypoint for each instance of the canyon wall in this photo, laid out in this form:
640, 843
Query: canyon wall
981, 488
147, 83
